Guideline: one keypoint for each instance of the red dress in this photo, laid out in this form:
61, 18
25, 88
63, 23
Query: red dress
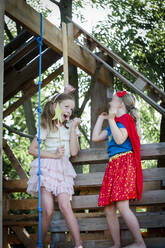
123, 178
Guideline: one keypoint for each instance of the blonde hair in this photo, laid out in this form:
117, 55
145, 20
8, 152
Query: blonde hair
129, 102
49, 111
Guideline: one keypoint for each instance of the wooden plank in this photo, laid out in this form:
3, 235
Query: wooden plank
87, 180
23, 204
27, 74
65, 53
157, 242
13, 58
13, 239
146, 220
5, 237
91, 201
31, 91
24, 237
52, 36
2, 6
148, 152
28, 58
15, 185
15, 163
16, 42
20, 220
96, 224
95, 179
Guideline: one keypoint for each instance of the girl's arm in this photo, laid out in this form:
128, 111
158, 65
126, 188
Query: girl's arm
119, 134
33, 150
98, 134
74, 143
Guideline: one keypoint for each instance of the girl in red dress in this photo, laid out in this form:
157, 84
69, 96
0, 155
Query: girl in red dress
123, 178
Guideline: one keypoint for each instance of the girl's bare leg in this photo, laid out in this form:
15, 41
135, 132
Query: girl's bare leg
47, 212
132, 223
66, 210
113, 224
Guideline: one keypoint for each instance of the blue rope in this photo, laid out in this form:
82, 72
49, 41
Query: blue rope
39, 40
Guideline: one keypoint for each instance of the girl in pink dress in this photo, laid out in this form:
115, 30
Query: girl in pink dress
61, 142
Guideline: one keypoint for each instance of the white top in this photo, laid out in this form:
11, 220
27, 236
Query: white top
52, 138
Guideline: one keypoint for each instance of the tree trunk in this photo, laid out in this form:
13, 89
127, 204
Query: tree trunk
29, 116
162, 131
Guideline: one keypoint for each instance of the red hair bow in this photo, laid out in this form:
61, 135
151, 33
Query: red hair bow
121, 93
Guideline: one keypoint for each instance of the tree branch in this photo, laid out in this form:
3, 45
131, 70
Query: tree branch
13, 130
84, 133
9, 34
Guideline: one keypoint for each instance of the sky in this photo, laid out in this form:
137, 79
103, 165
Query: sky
90, 15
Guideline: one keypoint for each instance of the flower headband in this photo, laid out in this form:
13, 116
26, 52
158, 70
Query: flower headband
55, 97
121, 93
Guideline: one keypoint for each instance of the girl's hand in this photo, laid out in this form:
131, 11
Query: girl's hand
69, 89
76, 122
103, 116
60, 152
112, 113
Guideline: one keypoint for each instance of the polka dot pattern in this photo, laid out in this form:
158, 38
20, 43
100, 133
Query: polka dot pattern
119, 182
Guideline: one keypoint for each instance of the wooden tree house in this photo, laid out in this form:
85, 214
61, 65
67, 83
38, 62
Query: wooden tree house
19, 75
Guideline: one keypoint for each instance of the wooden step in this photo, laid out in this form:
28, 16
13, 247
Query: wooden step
99, 156
85, 180
146, 220
150, 242
151, 197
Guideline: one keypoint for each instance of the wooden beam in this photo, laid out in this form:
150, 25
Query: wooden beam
86, 180
14, 161
65, 53
91, 201
89, 156
13, 239
24, 236
30, 91
52, 36
157, 242
2, 7
16, 80
28, 58
16, 42
21, 51
146, 220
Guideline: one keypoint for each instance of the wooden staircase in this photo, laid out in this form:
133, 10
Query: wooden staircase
149, 210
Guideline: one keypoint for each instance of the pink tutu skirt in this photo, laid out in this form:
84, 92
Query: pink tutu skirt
57, 176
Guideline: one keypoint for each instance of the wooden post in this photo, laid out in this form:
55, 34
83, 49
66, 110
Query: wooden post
1, 103
99, 103
65, 52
